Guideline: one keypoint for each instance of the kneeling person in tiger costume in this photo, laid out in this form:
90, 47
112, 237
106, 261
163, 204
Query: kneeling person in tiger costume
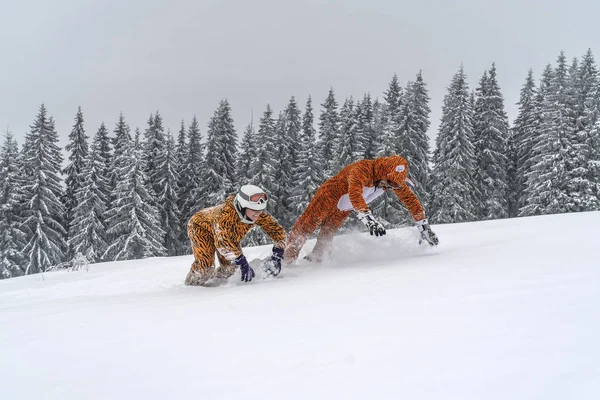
352, 189
220, 229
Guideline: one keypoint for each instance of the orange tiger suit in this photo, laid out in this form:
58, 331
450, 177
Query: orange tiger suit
350, 190
220, 229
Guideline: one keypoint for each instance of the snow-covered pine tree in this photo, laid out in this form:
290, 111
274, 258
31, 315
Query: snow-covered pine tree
120, 141
490, 129
11, 237
524, 136
391, 140
590, 75
307, 174
413, 129
247, 155
369, 138
389, 210
511, 175
244, 169
288, 146
453, 195
42, 209
278, 165
182, 147
349, 147
87, 230
262, 170
230, 139
379, 111
545, 190
103, 148
584, 178
328, 134
167, 198
191, 175
219, 174
133, 221
78, 148
154, 148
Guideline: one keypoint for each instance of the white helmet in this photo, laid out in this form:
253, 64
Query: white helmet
252, 197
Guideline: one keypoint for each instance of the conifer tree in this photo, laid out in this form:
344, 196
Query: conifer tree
167, 198
87, 231
453, 196
182, 147
490, 128
328, 133
585, 177
307, 173
121, 140
545, 191
391, 139
133, 221
349, 147
366, 128
413, 130
524, 136
262, 167
219, 175
78, 148
103, 148
11, 237
42, 191
191, 176
247, 155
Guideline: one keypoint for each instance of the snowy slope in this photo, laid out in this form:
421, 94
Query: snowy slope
504, 309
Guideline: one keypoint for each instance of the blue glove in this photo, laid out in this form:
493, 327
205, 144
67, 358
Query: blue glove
245, 268
273, 266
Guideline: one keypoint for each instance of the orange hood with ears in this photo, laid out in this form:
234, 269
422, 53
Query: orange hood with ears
392, 168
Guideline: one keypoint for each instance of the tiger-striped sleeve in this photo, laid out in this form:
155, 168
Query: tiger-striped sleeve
357, 179
272, 228
225, 241
410, 200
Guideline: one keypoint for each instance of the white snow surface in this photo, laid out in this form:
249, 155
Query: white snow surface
506, 309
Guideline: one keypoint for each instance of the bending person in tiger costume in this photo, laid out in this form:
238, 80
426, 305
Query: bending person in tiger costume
220, 229
352, 189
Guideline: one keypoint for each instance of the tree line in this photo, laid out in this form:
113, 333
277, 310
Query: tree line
128, 195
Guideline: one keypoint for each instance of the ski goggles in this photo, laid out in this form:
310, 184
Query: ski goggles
258, 198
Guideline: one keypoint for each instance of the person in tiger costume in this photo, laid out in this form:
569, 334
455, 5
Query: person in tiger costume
220, 229
352, 189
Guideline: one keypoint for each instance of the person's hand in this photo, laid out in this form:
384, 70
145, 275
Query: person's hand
375, 227
245, 268
273, 265
426, 233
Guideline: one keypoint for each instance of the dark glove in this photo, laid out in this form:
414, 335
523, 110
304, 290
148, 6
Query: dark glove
426, 233
375, 228
273, 266
245, 268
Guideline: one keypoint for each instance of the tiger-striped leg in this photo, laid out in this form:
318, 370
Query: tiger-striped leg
312, 217
326, 234
203, 267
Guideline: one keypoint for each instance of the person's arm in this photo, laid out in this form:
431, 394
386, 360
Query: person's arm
410, 201
224, 237
273, 229
357, 180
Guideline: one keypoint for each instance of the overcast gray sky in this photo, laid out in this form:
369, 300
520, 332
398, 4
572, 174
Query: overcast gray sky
182, 56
